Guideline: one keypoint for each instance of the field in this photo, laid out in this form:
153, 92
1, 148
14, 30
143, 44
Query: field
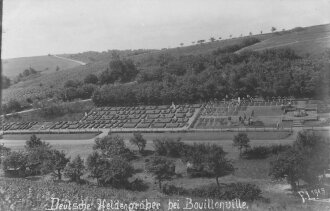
45, 64
310, 40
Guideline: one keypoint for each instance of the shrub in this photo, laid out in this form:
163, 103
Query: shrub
173, 190
15, 164
262, 152
168, 147
259, 152
91, 79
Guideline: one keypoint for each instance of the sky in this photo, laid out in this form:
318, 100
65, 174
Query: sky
39, 27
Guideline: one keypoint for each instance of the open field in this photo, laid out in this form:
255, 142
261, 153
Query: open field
45, 64
310, 40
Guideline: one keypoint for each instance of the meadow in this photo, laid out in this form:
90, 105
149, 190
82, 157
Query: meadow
44, 64
306, 41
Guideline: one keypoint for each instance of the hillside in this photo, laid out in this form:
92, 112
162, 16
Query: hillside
310, 40
44, 64
305, 41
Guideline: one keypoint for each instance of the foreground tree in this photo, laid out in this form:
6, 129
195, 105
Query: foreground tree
55, 164
306, 160
241, 141
75, 169
217, 163
112, 146
139, 141
38, 152
162, 169
114, 171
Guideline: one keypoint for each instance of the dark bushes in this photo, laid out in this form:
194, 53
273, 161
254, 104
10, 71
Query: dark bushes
262, 152
168, 147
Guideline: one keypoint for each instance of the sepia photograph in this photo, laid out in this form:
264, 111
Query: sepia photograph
165, 105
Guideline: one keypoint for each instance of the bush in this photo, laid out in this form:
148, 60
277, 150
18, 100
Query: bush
168, 147
173, 190
262, 152
91, 79
259, 152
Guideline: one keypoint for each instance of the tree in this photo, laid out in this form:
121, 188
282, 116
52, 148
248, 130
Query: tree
139, 141
261, 32
35, 142
161, 168
220, 38
273, 29
4, 151
306, 160
55, 164
5, 82
181, 44
212, 39
241, 141
250, 33
116, 172
112, 146
217, 164
94, 164
38, 152
200, 41
12, 106
74, 169
288, 165
91, 79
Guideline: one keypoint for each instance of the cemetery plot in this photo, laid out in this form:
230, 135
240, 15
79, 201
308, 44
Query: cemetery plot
142, 117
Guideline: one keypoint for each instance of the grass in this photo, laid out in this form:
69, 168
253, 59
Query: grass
74, 111
312, 40
45, 64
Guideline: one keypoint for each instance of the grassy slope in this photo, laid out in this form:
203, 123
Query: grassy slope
13, 67
310, 40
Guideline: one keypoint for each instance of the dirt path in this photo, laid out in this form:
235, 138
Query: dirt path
72, 60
